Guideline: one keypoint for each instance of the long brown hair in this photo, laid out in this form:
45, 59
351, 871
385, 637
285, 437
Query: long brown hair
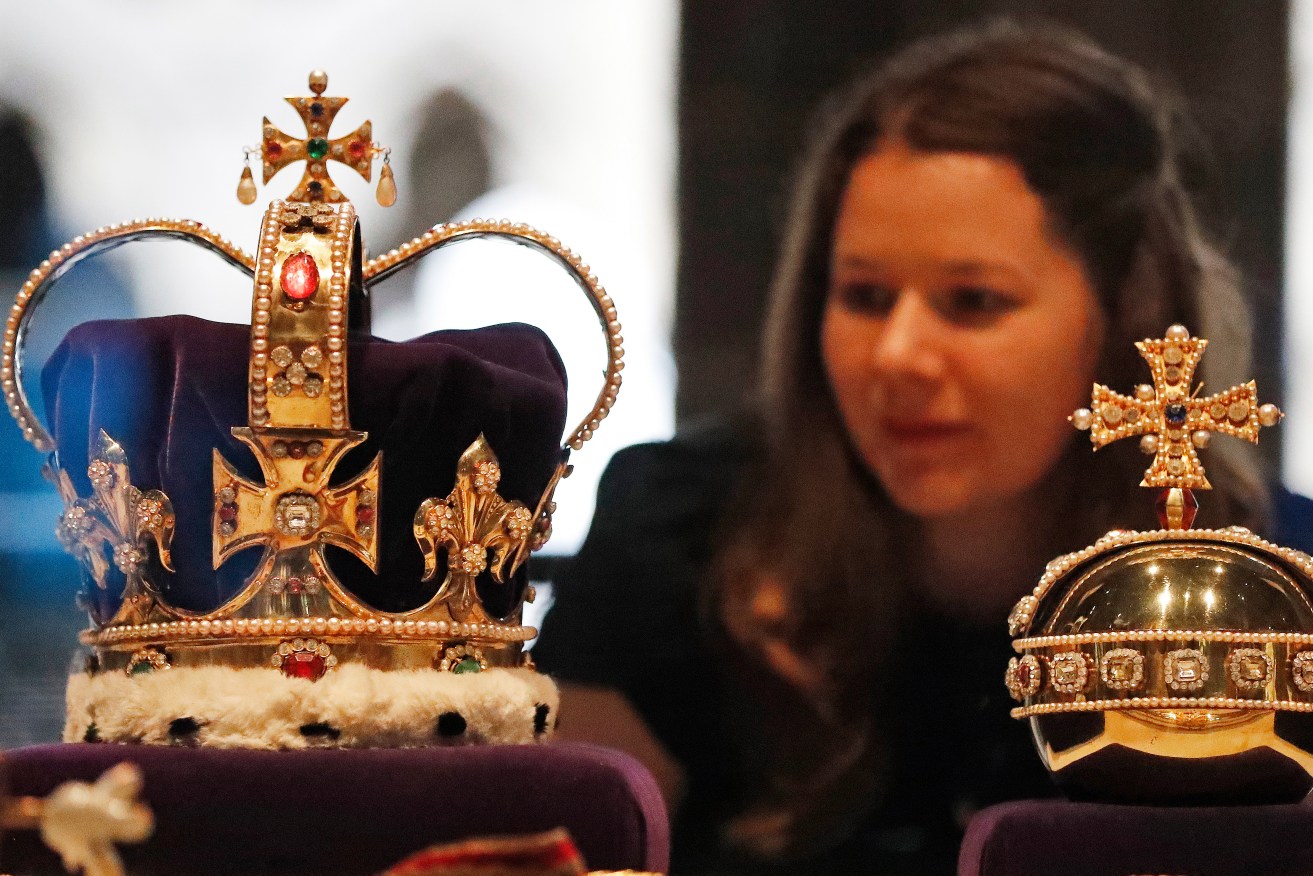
811, 578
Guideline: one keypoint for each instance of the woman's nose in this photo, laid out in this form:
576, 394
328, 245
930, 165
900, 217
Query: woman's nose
911, 343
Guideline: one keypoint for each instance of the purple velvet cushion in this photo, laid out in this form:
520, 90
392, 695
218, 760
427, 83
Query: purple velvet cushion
355, 811
171, 389
1060, 838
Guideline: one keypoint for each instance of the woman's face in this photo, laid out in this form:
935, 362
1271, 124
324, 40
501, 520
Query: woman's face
958, 332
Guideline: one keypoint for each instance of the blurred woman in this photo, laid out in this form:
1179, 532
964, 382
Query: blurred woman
805, 609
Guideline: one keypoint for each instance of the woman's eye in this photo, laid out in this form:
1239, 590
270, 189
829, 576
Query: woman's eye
976, 304
871, 299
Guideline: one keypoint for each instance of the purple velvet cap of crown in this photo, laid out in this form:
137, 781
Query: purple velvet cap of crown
170, 389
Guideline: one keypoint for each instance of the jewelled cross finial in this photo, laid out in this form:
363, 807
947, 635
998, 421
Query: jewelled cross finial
355, 150
1171, 421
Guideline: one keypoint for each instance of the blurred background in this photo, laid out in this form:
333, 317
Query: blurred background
655, 137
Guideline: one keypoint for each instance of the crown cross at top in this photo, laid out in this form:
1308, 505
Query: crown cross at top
1168, 416
356, 150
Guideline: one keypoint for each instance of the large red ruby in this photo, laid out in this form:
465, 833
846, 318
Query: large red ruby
304, 664
356, 149
273, 150
1023, 675
300, 277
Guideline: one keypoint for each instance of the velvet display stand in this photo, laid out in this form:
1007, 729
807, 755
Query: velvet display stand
328, 812
1060, 838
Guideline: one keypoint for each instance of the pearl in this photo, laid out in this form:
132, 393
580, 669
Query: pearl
1201, 437
1149, 444
1178, 332
1269, 415
1144, 392
1082, 418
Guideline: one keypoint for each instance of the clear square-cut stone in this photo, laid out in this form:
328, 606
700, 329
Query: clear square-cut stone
1252, 667
1187, 669
1121, 668
1066, 671
298, 518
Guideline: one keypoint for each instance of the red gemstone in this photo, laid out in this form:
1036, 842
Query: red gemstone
294, 585
273, 150
1169, 506
356, 149
227, 513
296, 449
364, 515
304, 664
1023, 675
300, 277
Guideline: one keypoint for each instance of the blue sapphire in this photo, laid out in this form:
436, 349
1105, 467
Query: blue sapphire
1175, 414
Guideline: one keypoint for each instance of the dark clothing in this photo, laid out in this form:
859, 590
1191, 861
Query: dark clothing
627, 616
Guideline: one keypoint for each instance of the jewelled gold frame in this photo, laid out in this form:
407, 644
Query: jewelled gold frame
308, 271
252, 617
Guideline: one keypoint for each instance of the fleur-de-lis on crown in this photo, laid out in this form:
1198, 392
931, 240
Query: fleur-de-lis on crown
118, 516
471, 522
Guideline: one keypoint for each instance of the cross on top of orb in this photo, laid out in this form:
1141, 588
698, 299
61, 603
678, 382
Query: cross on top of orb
355, 150
1168, 416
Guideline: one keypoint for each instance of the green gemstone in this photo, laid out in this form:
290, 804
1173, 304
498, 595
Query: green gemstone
143, 668
468, 664
317, 148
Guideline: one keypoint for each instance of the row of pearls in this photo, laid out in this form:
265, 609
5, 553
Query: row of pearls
260, 627
11, 364
337, 295
1229, 636
1135, 703
261, 313
601, 301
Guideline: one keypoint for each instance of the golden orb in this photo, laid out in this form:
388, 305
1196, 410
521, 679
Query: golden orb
1171, 666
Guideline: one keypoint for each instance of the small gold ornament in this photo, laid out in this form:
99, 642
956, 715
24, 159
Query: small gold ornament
246, 186
387, 186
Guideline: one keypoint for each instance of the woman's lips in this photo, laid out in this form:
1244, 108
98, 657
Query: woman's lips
923, 432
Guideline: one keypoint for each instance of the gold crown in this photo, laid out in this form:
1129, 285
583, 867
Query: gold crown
1149, 650
293, 615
